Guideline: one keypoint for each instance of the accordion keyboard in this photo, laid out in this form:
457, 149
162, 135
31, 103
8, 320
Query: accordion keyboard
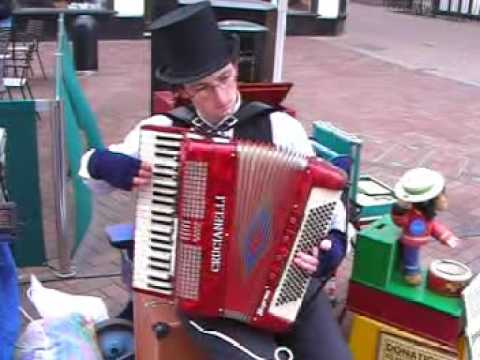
156, 217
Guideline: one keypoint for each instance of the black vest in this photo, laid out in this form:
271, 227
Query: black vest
253, 121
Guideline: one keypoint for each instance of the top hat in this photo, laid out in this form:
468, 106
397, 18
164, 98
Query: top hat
191, 44
419, 185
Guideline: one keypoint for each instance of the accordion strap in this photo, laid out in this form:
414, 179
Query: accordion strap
185, 116
182, 114
251, 110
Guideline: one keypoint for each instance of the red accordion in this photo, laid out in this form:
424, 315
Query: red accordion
221, 222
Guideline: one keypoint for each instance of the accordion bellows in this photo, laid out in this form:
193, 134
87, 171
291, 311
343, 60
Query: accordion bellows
221, 222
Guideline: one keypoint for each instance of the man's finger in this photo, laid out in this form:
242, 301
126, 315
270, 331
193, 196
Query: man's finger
138, 181
145, 174
306, 262
305, 266
325, 245
146, 166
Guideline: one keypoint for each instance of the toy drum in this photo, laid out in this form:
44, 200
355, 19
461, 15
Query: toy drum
448, 277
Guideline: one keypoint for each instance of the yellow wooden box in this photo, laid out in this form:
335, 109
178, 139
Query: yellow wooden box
373, 340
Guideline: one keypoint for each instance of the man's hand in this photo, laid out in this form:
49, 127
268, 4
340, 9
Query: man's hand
144, 175
309, 262
119, 170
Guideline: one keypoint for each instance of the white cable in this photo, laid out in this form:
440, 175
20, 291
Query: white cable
239, 346
281, 349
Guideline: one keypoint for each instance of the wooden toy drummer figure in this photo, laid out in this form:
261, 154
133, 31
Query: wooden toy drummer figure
421, 194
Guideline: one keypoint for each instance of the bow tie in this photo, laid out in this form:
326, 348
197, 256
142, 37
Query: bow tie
205, 128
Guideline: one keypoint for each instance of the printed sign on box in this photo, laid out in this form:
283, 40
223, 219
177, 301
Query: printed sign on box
391, 347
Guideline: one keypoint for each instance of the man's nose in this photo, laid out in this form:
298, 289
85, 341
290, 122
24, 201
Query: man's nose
220, 94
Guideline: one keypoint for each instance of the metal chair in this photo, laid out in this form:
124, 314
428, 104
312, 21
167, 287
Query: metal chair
5, 34
15, 72
29, 40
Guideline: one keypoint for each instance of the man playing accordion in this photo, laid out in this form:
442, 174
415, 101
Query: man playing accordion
201, 63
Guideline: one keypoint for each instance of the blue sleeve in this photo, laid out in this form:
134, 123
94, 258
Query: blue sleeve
331, 259
115, 168
9, 303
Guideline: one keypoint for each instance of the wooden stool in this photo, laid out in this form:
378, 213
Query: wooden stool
155, 342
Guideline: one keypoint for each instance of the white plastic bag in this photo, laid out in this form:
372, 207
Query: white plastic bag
52, 303
62, 338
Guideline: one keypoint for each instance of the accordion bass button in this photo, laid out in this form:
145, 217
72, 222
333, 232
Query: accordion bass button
161, 329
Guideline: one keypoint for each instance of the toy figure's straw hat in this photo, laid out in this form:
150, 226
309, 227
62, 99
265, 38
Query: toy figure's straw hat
419, 185
192, 46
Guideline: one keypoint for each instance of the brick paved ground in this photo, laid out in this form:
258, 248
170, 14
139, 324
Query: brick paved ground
406, 118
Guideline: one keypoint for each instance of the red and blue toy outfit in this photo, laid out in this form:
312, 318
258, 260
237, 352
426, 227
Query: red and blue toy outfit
417, 231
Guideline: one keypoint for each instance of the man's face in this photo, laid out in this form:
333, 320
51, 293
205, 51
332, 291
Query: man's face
215, 96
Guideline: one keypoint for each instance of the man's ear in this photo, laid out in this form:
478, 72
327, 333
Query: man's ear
235, 64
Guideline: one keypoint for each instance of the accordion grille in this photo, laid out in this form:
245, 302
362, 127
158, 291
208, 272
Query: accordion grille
315, 227
194, 189
189, 270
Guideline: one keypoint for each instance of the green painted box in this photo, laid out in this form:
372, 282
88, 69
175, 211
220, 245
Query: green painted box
376, 253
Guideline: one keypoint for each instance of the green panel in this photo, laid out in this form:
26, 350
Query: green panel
342, 143
376, 265
81, 131
422, 295
376, 253
336, 141
19, 120
334, 138
82, 195
85, 117
323, 151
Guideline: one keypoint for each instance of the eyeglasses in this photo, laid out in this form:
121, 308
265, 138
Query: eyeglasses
204, 89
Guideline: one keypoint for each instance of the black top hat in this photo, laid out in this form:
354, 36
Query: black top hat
191, 44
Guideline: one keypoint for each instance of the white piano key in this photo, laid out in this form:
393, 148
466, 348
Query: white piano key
161, 247
156, 136
161, 141
164, 171
164, 199
155, 213
169, 135
158, 257
145, 234
161, 208
164, 229
168, 182
162, 284
157, 238
160, 277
